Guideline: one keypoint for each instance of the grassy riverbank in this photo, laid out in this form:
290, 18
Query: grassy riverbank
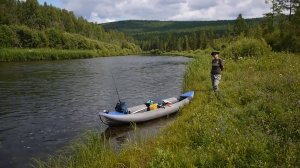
15, 54
254, 121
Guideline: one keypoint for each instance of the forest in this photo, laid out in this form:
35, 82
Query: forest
133, 27
279, 28
27, 24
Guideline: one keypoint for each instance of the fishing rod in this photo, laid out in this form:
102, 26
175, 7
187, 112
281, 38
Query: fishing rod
115, 86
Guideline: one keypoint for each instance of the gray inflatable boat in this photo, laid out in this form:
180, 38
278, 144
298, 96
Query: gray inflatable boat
142, 113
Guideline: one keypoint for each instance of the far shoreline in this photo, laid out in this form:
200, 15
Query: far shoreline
50, 54
40, 54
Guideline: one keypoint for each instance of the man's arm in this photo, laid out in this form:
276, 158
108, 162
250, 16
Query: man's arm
221, 62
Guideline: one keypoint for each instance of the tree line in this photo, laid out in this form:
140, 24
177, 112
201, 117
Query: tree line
279, 28
177, 41
26, 24
191, 39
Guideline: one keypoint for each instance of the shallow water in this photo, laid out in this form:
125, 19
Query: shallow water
45, 105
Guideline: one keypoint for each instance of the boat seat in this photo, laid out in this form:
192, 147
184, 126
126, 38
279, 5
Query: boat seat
143, 107
137, 109
171, 100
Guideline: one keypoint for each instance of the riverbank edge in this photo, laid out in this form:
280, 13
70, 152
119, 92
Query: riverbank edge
188, 54
23, 55
246, 124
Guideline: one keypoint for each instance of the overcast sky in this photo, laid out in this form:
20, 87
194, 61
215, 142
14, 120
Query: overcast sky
114, 10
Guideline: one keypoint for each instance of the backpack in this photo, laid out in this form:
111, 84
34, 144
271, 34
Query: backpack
121, 107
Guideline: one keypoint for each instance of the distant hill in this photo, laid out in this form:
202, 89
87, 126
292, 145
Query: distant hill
133, 27
175, 35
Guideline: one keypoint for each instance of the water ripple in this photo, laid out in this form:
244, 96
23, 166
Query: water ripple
44, 105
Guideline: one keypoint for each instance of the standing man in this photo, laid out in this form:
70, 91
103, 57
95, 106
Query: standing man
216, 69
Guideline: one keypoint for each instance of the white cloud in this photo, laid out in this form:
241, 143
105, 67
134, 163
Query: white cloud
94, 17
113, 10
201, 4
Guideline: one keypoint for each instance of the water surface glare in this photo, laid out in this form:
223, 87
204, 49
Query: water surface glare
44, 105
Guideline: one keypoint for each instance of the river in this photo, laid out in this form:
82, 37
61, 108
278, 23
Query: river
45, 105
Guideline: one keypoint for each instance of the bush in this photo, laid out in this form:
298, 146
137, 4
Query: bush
246, 47
54, 36
8, 37
21, 36
44, 40
29, 38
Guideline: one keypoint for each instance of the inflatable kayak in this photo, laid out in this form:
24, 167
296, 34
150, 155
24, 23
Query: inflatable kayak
145, 112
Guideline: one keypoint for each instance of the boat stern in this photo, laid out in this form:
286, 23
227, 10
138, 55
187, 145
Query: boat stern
189, 94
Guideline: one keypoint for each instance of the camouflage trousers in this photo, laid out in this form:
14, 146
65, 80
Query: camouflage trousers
215, 80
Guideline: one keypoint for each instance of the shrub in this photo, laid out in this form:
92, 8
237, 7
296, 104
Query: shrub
44, 40
8, 37
54, 36
246, 47
29, 38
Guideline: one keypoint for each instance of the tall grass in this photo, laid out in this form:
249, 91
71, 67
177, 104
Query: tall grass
88, 152
254, 121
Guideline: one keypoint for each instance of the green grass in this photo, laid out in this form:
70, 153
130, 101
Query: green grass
85, 154
254, 121
15, 54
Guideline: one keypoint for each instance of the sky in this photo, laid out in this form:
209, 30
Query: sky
101, 11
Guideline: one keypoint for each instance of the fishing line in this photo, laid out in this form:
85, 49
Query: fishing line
115, 86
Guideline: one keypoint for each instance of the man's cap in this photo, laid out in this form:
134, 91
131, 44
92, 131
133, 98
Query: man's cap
214, 53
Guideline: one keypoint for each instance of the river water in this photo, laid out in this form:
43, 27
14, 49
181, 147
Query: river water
45, 105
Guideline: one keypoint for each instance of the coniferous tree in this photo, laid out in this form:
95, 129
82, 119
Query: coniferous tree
8, 12
290, 6
276, 8
240, 25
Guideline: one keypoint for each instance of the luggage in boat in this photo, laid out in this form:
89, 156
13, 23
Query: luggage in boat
153, 106
121, 107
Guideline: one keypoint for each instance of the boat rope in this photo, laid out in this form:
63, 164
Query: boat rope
102, 120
